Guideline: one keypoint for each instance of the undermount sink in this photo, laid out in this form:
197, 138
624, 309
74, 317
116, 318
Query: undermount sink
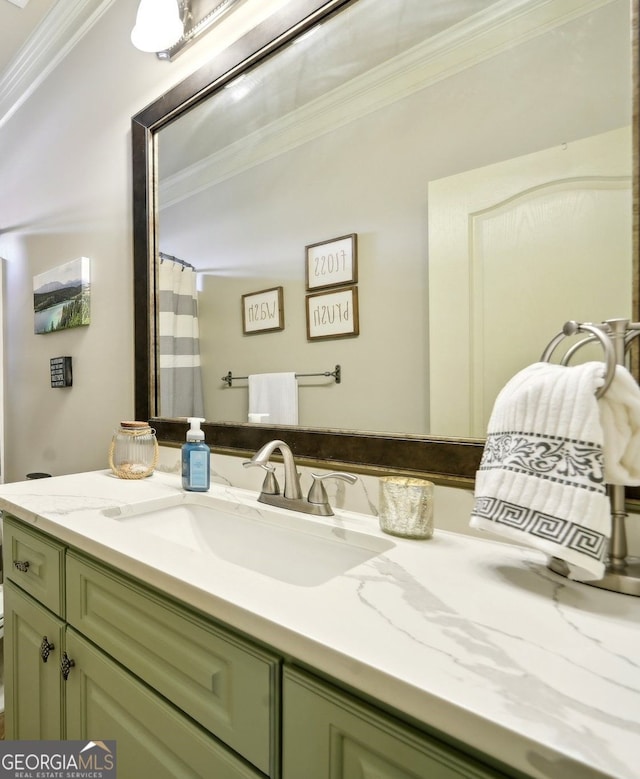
291, 547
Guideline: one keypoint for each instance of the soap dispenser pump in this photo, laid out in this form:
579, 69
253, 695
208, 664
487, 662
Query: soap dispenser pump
195, 459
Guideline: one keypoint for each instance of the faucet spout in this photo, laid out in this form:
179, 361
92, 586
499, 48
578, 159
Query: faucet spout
316, 503
292, 489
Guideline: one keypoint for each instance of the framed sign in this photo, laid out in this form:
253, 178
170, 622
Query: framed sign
263, 311
333, 314
332, 263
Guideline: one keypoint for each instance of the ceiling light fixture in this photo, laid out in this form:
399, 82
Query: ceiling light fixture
166, 27
158, 25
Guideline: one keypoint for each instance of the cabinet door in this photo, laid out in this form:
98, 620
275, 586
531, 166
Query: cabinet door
223, 682
327, 734
153, 739
34, 693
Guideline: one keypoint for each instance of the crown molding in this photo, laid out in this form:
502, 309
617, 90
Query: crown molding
501, 26
66, 23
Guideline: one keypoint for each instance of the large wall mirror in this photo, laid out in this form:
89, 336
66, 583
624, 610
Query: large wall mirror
480, 157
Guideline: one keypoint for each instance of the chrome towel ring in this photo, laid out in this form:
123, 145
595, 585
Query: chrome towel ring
596, 333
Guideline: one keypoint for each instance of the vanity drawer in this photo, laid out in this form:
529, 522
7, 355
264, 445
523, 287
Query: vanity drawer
226, 684
35, 563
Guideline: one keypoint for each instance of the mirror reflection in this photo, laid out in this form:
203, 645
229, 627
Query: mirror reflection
479, 152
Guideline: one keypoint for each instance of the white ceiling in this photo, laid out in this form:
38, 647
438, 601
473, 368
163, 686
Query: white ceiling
17, 23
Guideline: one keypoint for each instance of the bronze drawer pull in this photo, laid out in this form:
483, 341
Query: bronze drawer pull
66, 665
45, 649
21, 565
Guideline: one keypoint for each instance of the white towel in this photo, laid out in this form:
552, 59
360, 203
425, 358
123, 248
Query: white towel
275, 394
620, 418
542, 475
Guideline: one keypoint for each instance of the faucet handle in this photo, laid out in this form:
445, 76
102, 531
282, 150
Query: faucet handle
270, 484
318, 494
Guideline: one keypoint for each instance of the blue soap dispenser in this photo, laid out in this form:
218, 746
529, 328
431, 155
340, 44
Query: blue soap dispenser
195, 459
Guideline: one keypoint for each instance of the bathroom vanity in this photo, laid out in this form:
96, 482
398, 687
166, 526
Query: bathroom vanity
217, 637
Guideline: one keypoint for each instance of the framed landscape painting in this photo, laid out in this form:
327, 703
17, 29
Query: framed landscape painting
61, 297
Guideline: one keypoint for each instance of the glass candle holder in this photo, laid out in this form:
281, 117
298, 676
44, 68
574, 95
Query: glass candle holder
133, 453
406, 506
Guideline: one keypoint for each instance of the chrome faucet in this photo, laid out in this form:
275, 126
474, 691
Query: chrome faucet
292, 489
316, 503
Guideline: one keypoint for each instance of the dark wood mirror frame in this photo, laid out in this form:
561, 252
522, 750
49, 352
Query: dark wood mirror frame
446, 461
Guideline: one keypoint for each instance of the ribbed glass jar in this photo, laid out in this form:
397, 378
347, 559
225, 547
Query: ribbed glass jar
133, 453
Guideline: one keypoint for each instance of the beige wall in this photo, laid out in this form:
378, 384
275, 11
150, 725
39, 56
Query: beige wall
65, 192
390, 356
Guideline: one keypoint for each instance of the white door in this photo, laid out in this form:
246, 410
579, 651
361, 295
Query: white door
521, 247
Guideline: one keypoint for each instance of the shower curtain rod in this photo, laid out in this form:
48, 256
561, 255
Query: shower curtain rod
177, 260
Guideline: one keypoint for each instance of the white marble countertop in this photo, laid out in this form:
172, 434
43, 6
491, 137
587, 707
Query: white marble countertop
475, 638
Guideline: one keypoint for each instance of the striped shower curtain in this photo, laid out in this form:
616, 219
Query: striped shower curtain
179, 345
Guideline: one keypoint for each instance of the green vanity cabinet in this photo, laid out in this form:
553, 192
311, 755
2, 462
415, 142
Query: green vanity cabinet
330, 734
181, 696
224, 683
34, 633
34, 691
153, 738
99, 700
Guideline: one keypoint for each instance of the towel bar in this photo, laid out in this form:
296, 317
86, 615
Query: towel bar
336, 373
615, 336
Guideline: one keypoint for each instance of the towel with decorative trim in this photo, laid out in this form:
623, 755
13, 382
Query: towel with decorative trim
542, 475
